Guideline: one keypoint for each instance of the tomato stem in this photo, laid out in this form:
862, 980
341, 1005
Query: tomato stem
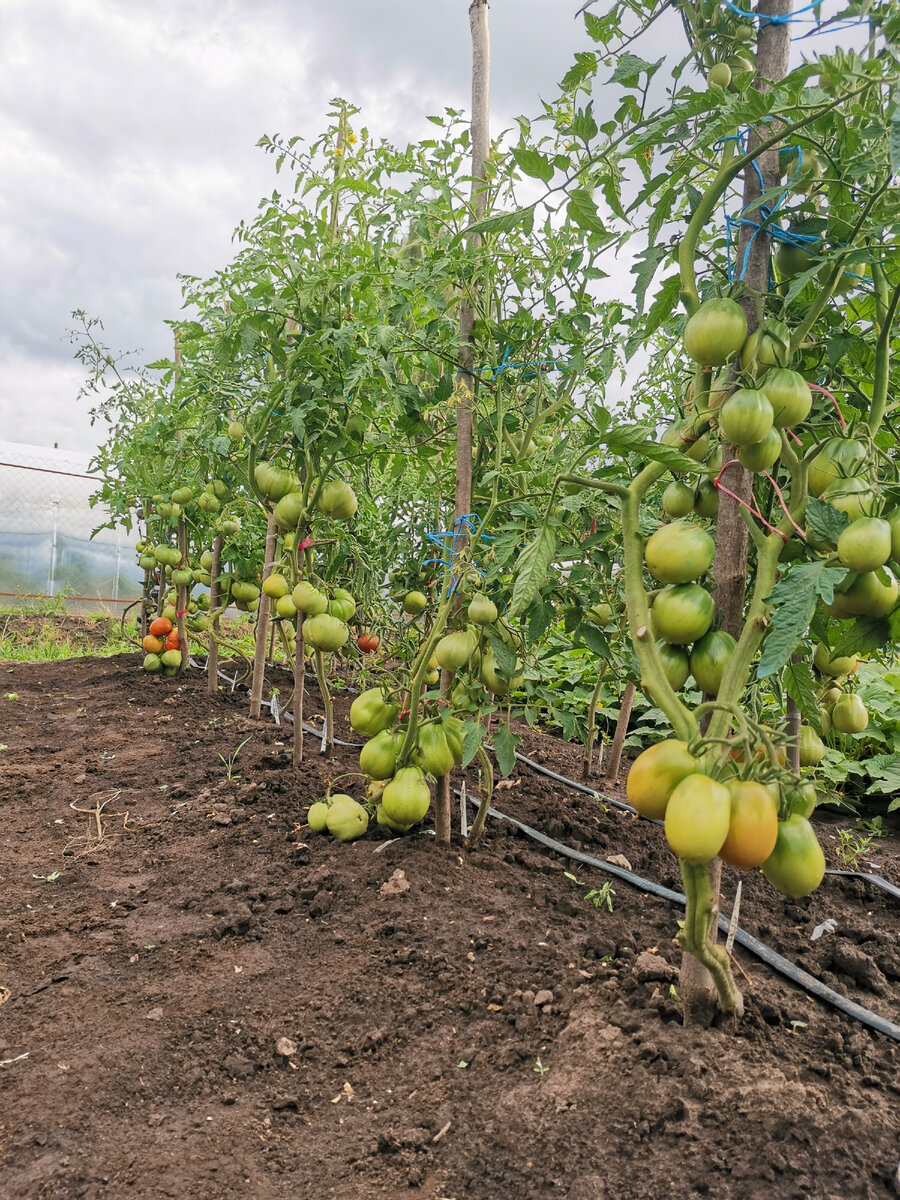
699, 915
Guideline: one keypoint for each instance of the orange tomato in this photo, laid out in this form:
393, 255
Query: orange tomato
753, 828
161, 626
153, 645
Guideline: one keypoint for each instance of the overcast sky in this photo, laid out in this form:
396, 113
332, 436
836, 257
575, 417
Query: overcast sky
127, 147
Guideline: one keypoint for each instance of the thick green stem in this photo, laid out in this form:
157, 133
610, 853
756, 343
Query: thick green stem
326, 703
699, 915
419, 670
653, 676
882, 365
487, 792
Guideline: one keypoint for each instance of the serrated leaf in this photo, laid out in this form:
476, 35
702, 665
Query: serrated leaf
533, 567
825, 522
506, 660
583, 211
595, 641
473, 736
505, 742
645, 267
499, 223
864, 635
885, 770
636, 439
583, 68
800, 685
533, 163
664, 305
793, 602
894, 135
629, 69
539, 620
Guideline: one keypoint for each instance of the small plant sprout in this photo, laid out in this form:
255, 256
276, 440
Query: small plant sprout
600, 897
853, 846
229, 763
51, 878
796, 1026
539, 1069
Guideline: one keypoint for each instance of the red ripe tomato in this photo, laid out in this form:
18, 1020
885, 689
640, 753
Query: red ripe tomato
160, 627
753, 829
367, 642
172, 642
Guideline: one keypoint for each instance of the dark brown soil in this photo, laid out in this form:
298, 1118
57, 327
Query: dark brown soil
163, 928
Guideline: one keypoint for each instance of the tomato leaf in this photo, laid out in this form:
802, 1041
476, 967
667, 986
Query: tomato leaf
594, 640
863, 636
533, 163
473, 736
825, 522
534, 565
499, 223
801, 687
505, 742
638, 439
506, 660
793, 602
583, 212
539, 620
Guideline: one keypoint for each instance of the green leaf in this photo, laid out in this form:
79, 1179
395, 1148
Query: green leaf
583, 212
533, 567
894, 136
629, 69
594, 640
645, 267
473, 736
499, 223
506, 660
539, 620
505, 742
793, 602
637, 439
864, 635
800, 685
533, 163
663, 306
825, 522
885, 770
583, 68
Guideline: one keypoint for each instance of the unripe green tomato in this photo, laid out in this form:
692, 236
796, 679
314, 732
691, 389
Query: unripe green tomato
182, 496
346, 819
152, 663
677, 499
482, 610
761, 456
850, 715
655, 774
406, 798
715, 332
706, 499
855, 497
679, 552
745, 417
316, 816
797, 865
719, 75
865, 545
286, 608
812, 748
845, 665
675, 664
235, 431
788, 393
697, 818
414, 603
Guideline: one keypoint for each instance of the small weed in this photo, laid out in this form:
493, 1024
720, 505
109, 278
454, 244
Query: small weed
229, 763
673, 993
10, 695
600, 897
539, 1069
796, 1026
51, 878
853, 846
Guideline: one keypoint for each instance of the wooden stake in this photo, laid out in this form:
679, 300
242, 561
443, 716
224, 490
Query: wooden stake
262, 625
212, 665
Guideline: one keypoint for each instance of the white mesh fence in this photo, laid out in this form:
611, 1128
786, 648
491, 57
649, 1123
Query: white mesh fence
46, 519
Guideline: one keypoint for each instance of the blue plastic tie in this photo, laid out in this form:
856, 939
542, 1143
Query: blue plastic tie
787, 18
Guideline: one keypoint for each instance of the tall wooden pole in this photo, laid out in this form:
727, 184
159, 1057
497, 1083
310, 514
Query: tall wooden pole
465, 390
751, 266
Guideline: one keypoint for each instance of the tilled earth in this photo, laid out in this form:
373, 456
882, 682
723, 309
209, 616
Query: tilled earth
205, 1001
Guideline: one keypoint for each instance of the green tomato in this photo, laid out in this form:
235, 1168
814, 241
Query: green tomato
746, 417
675, 664
346, 819
337, 500
677, 499
788, 393
865, 545
709, 658
682, 614
715, 332
679, 552
407, 797
414, 603
370, 713
697, 818
797, 865
849, 714
325, 632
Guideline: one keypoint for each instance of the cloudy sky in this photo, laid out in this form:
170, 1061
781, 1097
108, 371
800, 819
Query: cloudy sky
127, 147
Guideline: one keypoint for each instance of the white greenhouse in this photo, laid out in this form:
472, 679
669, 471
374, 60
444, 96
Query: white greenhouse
46, 519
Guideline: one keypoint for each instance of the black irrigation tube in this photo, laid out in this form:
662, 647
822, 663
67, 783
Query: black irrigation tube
783, 966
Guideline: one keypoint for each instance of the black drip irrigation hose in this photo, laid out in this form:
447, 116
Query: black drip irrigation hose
783, 966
